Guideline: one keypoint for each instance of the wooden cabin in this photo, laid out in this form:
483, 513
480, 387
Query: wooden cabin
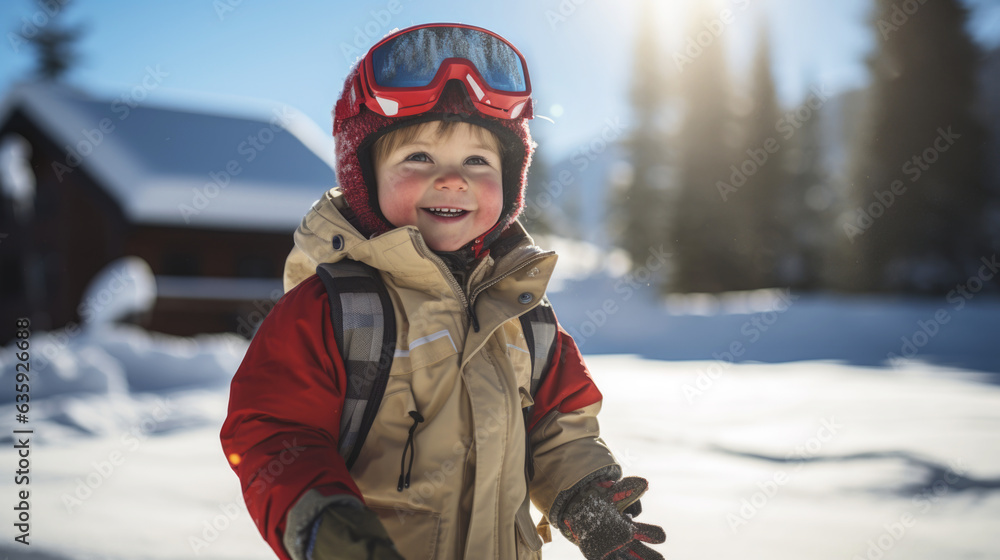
208, 200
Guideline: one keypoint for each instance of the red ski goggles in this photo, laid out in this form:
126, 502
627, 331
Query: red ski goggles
404, 74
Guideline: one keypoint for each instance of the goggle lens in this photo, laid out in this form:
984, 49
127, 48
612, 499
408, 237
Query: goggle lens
413, 59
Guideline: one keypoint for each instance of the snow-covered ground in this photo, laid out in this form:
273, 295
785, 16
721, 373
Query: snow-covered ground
770, 425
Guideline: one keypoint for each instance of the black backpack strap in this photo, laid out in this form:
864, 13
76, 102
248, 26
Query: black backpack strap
364, 327
540, 329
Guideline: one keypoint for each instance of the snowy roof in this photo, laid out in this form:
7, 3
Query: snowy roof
158, 162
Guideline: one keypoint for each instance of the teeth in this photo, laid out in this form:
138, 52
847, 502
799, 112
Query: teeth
448, 210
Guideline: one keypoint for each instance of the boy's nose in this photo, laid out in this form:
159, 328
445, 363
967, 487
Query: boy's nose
451, 181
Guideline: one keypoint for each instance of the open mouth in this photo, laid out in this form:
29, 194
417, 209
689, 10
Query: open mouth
446, 212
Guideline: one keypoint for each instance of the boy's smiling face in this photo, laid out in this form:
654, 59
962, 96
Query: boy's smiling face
448, 185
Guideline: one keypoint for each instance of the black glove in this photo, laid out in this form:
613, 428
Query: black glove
598, 519
351, 532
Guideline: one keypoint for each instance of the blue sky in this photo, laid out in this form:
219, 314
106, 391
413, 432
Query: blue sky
578, 51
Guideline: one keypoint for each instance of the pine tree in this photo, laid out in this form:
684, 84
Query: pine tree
539, 205
703, 228
54, 43
762, 202
919, 170
638, 209
810, 206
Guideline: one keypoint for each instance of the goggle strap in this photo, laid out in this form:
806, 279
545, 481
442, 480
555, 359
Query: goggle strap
528, 112
350, 104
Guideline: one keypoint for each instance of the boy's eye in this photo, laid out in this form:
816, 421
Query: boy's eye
477, 160
419, 156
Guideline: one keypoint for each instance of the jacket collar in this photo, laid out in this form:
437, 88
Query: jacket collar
403, 253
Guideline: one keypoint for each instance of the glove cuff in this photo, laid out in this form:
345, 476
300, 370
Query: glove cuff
564, 498
302, 518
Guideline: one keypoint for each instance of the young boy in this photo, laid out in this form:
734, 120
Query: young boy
433, 149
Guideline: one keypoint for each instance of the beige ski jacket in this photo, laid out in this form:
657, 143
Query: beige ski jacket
469, 493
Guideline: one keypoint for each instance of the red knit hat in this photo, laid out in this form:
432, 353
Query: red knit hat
356, 128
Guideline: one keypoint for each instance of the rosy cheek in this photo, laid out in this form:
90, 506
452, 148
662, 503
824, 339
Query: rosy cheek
494, 201
398, 198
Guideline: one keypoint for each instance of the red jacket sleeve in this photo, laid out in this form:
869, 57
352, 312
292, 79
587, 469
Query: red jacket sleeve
567, 386
566, 449
285, 401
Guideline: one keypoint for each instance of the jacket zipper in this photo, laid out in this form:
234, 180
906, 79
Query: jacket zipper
472, 298
498, 279
470, 301
448, 276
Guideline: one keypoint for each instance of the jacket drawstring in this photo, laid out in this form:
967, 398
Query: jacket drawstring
405, 482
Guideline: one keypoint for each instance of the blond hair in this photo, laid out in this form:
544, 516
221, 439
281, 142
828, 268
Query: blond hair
443, 130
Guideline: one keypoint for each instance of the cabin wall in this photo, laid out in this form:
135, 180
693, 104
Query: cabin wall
182, 252
49, 256
48, 259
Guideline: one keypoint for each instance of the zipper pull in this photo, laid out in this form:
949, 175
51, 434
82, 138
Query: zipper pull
472, 316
